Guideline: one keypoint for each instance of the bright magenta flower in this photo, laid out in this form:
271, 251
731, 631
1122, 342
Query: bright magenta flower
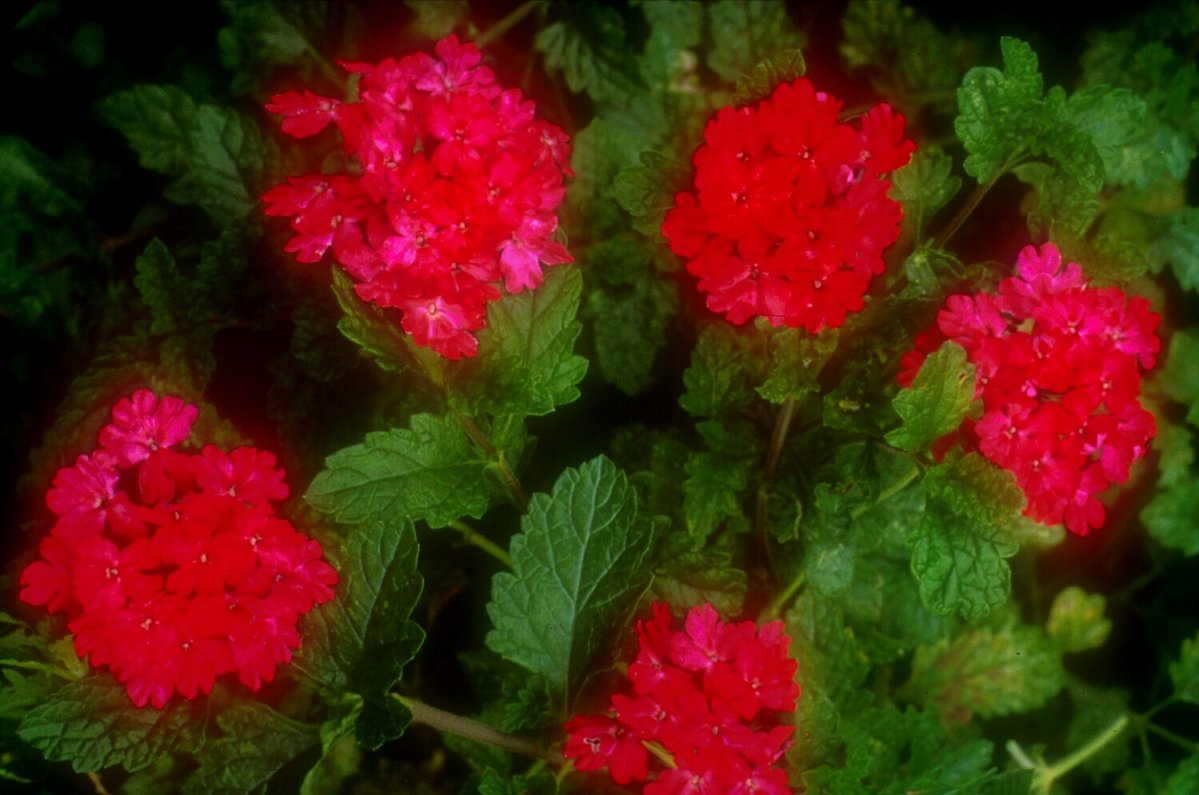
173, 569
1058, 368
710, 696
455, 191
790, 214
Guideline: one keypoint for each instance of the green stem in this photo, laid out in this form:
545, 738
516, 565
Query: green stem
971, 203
889, 492
1177, 739
475, 538
497, 457
661, 753
778, 438
783, 598
475, 731
1044, 777
506, 24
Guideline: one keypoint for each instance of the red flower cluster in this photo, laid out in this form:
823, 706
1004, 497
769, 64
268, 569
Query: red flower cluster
791, 215
173, 569
708, 698
456, 188
1058, 367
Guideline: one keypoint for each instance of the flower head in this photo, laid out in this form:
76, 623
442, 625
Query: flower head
455, 192
173, 569
709, 696
1058, 369
790, 216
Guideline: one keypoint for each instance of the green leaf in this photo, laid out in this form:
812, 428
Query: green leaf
646, 191
1095, 709
589, 46
380, 339
430, 473
1176, 446
526, 364
1137, 149
214, 155
1170, 517
1185, 672
759, 82
987, 672
257, 743
1185, 779
960, 547
715, 382
264, 35
1179, 378
178, 313
92, 724
937, 401
713, 487
747, 32
1076, 621
436, 19
360, 641
705, 576
1180, 247
579, 565
794, 361
998, 111
924, 186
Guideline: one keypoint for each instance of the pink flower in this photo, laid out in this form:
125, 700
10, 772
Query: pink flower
142, 424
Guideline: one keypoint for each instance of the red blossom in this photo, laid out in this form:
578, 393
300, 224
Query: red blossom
1058, 369
455, 191
187, 577
790, 214
709, 697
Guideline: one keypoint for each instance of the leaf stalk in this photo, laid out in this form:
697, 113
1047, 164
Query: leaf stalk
476, 731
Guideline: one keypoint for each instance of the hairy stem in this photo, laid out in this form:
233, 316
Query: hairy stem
475, 731
778, 438
497, 457
506, 24
1044, 777
1178, 740
475, 538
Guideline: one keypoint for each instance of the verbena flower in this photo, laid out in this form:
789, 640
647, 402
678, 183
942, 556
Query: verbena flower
708, 696
1058, 368
173, 569
790, 214
454, 191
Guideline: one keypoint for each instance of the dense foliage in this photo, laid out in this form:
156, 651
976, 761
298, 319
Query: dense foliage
848, 445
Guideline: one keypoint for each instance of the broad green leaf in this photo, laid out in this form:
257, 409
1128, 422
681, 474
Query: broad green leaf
1179, 378
976, 490
436, 19
705, 576
987, 672
1185, 779
1137, 150
937, 401
713, 487
1185, 672
646, 191
589, 46
1180, 247
1095, 709
430, 472
715, 382
960, 567
1076, 621
579, 565
257, 743
178, 314
924, 186
1171, 517
341, 755
998, 111
213, 155
747, 32
361, 640
267, 34
679, 21
1177, 448
380, 339
92, 724
794, 360
760, 81
526, 364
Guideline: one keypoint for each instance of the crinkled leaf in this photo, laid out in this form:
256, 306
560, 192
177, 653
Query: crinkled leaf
361, 640
430, 472
178, 314
579, 564
715, 382
1137, 149
1185, 671
975, 489
959, 568
794, 361
999, 110
713, 487
1076, 621
257, 743
987, 672
705, 576
924, 186
526, 363
1170, 517
937, 401
747, 32
1179, 246
588, 45
380, 339
646, 192
264, 35
760, 81
92, 724
213, 155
